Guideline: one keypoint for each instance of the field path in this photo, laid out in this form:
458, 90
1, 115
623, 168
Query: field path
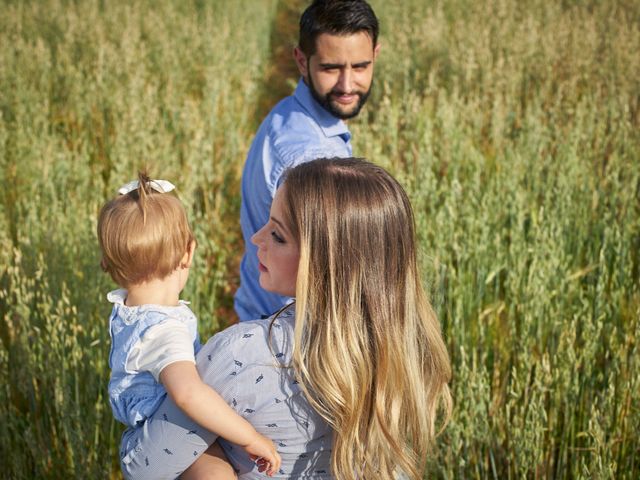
280, 77
281, 72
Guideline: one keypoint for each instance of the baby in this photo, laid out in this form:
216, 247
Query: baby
147, 248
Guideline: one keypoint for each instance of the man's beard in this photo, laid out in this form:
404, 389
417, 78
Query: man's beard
325, 101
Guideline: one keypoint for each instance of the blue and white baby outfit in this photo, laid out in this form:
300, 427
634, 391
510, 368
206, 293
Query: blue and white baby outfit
144, 340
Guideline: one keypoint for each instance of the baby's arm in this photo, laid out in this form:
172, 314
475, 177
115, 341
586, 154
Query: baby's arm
208, 409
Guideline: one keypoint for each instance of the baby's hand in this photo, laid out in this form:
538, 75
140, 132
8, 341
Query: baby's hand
263, 451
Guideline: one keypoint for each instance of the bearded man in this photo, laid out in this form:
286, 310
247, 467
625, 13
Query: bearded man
336, 52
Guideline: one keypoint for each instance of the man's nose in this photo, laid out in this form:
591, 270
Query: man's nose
345, 80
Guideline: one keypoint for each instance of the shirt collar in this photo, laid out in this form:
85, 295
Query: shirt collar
330, 125
119, 296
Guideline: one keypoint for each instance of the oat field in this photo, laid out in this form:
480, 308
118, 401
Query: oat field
514, 126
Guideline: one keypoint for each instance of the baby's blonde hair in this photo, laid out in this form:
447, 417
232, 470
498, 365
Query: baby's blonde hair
143, 234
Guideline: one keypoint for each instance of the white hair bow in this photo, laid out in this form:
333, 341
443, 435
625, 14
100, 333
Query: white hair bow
162, 186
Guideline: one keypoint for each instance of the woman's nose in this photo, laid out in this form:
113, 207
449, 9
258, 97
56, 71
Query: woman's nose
256, 238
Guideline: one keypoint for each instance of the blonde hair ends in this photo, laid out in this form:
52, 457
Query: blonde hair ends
368, 347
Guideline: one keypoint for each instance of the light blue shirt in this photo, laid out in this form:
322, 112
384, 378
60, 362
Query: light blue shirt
297, 130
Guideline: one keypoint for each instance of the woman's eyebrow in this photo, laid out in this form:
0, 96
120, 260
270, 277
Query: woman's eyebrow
279, 223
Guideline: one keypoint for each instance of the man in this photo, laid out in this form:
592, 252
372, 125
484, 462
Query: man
337, 48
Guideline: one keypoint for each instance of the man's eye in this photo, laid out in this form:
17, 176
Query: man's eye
277, 237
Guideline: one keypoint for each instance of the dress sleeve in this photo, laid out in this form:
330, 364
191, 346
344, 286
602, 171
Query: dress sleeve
160, 346
169, 442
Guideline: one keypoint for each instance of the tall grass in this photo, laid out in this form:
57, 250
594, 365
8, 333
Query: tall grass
515, 126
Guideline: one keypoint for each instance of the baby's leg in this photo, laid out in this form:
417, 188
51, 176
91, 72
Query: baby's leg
212, 465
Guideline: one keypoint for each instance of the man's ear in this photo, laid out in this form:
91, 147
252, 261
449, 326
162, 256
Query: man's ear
301, 62
376, 51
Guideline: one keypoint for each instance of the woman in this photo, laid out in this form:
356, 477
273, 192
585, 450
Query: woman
350, 383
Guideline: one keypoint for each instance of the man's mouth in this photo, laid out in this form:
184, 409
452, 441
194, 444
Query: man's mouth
345, 98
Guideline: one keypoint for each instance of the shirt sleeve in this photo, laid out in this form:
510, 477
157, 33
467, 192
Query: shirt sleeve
294, 154
160, 346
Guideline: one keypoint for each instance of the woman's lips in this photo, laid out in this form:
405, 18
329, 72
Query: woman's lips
262, 268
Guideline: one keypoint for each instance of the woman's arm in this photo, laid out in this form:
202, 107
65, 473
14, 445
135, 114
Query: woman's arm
202, 404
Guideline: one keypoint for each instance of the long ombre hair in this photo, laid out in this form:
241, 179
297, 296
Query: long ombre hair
368, 353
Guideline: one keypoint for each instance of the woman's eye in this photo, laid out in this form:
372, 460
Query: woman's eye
277, 237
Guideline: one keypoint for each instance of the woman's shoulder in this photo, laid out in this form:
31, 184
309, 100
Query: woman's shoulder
266, 338
248, 358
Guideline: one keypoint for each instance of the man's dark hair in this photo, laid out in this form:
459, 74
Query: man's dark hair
336, 17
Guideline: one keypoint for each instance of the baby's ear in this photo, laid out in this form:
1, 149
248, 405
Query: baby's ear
187, 259
103, 264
